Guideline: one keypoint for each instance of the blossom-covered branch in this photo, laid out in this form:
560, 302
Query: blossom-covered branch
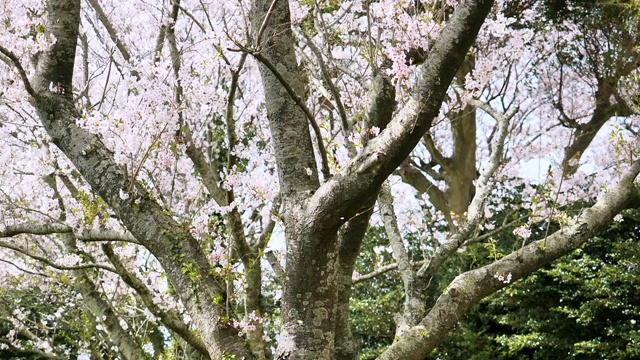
23, 74
169, 318
46, 261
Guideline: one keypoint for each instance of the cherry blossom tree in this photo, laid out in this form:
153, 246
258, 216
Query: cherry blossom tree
158, 154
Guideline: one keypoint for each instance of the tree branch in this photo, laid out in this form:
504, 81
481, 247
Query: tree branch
46, 261
327, 79
55, 228
326, 173
172, 244
436, 155
475, 209
110, 29
336, 200
23, 74
381, 270
469, 288
387, 213
423, 185
30, 353
23, 270
169, 318
265, 236
102, 310
275, 265
35, 229
585, 133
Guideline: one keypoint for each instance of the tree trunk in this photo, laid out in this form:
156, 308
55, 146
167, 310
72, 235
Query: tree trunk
309, 296
313, 214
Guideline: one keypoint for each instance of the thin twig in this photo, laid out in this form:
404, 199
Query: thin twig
23, 270
265, 21
264, 238
51, 263
298, 100
381, 270
327, 78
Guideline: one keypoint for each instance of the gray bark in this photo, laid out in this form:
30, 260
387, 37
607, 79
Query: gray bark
311, 223
382, 104
336, 200
350, 239
458, 170
128, 345
178, 252
309, 296
584, 133
469, 288
253, 287
415, 287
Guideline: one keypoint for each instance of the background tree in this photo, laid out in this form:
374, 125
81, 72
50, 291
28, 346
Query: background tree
146, 175
581, 307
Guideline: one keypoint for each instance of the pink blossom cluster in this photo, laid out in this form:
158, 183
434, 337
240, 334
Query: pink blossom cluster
523, 232
502, 278
248, 324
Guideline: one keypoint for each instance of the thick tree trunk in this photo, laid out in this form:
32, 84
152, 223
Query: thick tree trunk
585, 133
382, 104
310, 286
462, 171
458, 170
312, 213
